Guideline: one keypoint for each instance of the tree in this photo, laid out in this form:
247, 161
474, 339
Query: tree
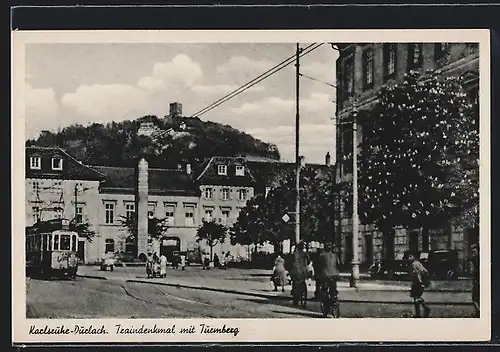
212, 233
157, 228
83, 230
419, 155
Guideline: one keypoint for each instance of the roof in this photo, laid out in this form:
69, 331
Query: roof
72, 169
207, 172
161, 181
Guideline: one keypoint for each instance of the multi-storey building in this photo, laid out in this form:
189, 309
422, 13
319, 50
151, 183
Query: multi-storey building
59, 186
362, 70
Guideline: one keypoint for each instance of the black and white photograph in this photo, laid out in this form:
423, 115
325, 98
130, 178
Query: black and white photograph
178, 189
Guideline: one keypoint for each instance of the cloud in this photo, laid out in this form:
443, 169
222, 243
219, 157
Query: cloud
220, 89
317, 107
242, 63
315, 140
320, 70
109, 101
180, 72
42, 109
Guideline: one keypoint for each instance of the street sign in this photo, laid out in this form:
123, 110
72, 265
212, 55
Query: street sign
285, 218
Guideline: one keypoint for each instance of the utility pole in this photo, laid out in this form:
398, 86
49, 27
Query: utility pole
355, 219
76, 200
297, 155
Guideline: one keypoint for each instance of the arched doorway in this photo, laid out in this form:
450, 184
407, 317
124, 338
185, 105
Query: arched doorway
169, 245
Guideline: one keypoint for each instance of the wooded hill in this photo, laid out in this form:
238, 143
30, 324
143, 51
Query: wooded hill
118, 143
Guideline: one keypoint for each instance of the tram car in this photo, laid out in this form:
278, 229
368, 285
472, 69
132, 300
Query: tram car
51, 249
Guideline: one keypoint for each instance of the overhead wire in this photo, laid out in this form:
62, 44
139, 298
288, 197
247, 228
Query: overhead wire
256, 80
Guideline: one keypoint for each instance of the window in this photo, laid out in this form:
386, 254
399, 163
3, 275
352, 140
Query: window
151, 210
79, 214
208, 215
390, 53
49, 242
36, 186
129, 210
348, 77
368, 68
130, 246
242, 194
57, 163
109, 213
222, 169
35, 163
208, 193
36, 214
414, 55
65, 244
225, 193
189, 221
170, 215
110, 246
441, 50
240, 170
225, 217
56, 242
74, 243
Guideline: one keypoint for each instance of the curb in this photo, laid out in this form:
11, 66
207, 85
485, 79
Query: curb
92, 277
285, 298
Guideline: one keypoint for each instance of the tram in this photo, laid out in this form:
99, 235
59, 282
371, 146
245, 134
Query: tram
51, 249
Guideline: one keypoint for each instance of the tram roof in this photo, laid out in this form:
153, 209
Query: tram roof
49, 226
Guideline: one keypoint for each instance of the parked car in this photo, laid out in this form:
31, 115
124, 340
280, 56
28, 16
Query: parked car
108, 263
391, 269
441, 264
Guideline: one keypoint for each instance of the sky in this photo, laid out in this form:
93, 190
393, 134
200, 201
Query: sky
87, 83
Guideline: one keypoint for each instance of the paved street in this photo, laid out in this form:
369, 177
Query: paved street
127, 293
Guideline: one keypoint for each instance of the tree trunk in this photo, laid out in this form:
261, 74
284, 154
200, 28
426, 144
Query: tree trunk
211, 253
425, 239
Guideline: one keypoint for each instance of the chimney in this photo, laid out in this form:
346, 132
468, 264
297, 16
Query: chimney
141, 206
327, 159
188, 169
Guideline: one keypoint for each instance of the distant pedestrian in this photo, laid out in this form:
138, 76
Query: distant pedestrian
474, 269
183, 261
163, 265
216, 261
222, 261
279, 274
419, 281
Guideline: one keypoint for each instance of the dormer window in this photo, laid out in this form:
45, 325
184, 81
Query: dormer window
222, 170
57, 164
240, 170
35, 163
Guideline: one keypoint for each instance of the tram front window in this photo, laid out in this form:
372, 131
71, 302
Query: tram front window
65, 243
56, 242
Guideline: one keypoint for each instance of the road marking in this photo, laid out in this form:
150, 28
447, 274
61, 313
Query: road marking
182, 299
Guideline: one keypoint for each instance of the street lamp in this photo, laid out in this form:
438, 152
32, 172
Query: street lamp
355, 219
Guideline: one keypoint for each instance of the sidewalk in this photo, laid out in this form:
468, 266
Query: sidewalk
256, 284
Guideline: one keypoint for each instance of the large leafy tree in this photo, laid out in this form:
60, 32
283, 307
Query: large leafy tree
157, 228
418, 164
261, 220
211, 233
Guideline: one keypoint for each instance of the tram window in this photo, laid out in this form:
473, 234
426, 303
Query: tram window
56, 242
37, 242
28, 243
65, 243
49, 242
74, 242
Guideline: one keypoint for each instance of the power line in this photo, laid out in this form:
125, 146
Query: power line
318, 80
256, 80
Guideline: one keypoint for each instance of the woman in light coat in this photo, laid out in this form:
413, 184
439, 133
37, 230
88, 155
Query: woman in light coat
279, 274
163, 266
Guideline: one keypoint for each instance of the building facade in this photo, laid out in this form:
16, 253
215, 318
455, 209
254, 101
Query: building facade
362, 70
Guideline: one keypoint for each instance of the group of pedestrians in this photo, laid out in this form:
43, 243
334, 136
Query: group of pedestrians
324, 269
157, 265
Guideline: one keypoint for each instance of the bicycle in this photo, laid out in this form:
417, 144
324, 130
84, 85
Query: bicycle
329, 301
299, 293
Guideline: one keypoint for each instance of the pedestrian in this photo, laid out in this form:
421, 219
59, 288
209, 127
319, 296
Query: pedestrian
175, 261
216, 261
316, 267
300, 260
163, 266
474, 269
222, 261
149, 265
328, 272
183, 260
419, 281
279, 274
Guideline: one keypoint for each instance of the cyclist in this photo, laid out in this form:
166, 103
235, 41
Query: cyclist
299, 272
328, 274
